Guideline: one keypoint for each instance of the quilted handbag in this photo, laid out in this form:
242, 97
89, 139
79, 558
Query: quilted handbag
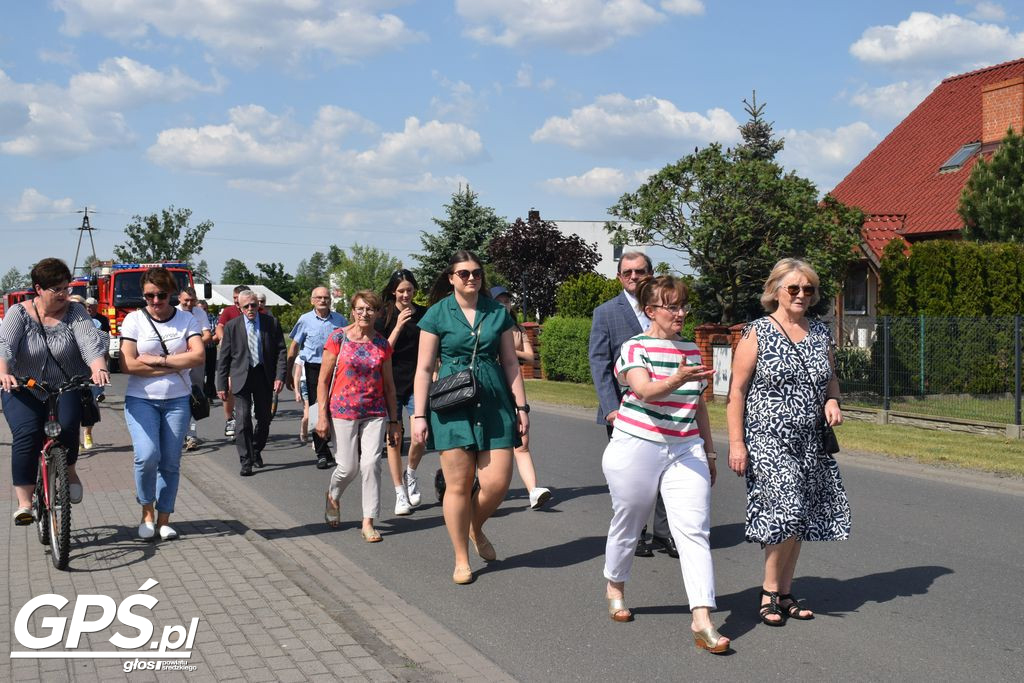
455, 390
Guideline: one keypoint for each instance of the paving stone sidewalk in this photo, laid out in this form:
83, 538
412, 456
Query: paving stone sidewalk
272, 605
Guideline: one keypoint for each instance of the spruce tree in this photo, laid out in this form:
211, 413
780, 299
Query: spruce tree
992, 202
467, 225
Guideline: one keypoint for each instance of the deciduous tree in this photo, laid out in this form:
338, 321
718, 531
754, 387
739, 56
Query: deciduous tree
13, 279
237, 273
362, 267
166, 236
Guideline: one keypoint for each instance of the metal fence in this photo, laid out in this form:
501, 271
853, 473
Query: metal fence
965, 368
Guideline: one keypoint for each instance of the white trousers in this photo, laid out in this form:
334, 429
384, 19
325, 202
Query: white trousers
636, 469
359, 444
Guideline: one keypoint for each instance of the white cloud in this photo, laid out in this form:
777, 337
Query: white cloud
988, 11
524, 79
259, 151
928, 40
461, 101
827, 155
63, 57
48, 120
892, 101
582, 26
694, 7
33, 202
599, 181
638, 128
251, 32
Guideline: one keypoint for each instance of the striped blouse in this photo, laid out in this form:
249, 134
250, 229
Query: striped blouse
74, 342
673, 418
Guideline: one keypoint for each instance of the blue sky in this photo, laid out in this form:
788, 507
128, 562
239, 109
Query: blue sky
294, 124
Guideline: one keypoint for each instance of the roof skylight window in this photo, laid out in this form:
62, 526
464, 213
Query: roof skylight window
960, 157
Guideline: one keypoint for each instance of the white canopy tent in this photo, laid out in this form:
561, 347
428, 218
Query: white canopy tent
223, 295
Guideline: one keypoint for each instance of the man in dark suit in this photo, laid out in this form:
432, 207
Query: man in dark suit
252, 353
614, 322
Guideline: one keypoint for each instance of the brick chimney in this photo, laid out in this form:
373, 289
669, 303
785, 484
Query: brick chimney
1002, 107
533, 215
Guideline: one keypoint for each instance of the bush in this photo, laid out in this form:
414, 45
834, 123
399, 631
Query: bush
564, 349
579, 296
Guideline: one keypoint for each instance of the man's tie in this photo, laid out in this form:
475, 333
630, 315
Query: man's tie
254, 343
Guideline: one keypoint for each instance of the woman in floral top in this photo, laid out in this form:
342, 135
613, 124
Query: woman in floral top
357, 388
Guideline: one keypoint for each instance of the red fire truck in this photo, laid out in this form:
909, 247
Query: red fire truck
13, 297
118, 289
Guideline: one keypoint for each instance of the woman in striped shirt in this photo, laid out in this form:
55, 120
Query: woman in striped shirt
662, 441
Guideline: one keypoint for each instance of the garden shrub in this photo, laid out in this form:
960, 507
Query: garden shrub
578, 297
564, 349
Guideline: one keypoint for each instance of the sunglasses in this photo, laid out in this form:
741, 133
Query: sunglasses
629, 272
808, 290
252, 305
464, 275
159, 296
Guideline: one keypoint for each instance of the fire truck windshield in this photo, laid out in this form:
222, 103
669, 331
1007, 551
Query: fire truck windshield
128, 287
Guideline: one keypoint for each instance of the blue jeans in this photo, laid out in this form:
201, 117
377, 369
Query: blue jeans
26, 413
157, 428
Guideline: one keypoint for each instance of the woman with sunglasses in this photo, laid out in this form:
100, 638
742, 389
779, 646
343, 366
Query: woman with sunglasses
160, 344
463, 327
783, 386
399, 324
50, 339
662, 443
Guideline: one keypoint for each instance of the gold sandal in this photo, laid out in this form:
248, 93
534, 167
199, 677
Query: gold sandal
332, 515
711, 640
616, 607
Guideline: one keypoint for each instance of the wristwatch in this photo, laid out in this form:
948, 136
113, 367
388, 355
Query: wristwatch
525, 409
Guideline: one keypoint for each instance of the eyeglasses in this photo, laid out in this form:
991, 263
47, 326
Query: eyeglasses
629, 272
59, 290
674, 310
464, 275
248, 306
808, 290
322, 298
364, 310
159, 296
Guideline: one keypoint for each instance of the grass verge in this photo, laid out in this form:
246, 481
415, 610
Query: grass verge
929, 446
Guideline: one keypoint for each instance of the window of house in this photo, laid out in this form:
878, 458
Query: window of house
616, 252
960, 157
855, 291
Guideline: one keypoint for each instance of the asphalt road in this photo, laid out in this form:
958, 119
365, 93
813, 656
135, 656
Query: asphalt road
929, 587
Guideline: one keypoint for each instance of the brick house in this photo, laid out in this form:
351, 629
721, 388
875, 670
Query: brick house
909, 186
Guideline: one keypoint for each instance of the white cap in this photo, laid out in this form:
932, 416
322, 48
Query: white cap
91, 301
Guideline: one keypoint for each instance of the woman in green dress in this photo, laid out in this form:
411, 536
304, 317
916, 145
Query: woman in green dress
476, 440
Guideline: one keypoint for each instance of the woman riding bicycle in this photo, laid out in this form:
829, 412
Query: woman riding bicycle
50, 339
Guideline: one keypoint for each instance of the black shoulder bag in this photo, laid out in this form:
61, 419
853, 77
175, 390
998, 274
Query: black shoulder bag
828, 435
457, 389
197, 401
90, 409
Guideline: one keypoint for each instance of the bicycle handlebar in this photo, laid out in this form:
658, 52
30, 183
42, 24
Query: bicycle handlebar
80, 382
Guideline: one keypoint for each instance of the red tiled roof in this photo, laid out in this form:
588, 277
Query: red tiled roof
879, 229
900, 177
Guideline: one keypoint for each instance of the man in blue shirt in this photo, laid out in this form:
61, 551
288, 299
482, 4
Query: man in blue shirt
308, 338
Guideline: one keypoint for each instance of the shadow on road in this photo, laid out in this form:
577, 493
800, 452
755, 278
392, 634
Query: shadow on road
727, 535
572, 552
827, 596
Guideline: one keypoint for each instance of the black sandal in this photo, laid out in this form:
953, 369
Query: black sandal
794, 608
772, 608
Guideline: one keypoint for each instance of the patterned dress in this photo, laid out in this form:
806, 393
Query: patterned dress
793, 487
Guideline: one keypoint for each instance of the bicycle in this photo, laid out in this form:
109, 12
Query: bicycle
51, 502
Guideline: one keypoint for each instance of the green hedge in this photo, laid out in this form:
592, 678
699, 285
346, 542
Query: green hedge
564, 349
579, 296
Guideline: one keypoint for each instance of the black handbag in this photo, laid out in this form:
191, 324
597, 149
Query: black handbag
828, 435
90, 408
197, 402
457, 389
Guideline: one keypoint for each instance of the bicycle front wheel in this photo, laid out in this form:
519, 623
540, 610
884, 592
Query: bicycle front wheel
59, 512
39, 507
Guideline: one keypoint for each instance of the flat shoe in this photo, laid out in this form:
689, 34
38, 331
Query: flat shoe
167, 533
463, 576
147, 530
371, 536
75, 493
23, 516
484, 548
332, 515
618, 611
711, 640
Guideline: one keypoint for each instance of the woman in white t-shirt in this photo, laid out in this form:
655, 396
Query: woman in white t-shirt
159, 345
662, 443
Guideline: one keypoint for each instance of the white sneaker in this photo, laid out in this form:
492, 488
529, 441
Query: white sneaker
229, 429
167, 533
147, 530
413, 487
402, 507
538, 497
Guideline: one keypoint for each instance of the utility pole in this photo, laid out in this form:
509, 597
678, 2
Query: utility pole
86, 227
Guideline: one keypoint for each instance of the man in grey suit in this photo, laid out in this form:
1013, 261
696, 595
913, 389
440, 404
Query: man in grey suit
614, 322
252, 353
